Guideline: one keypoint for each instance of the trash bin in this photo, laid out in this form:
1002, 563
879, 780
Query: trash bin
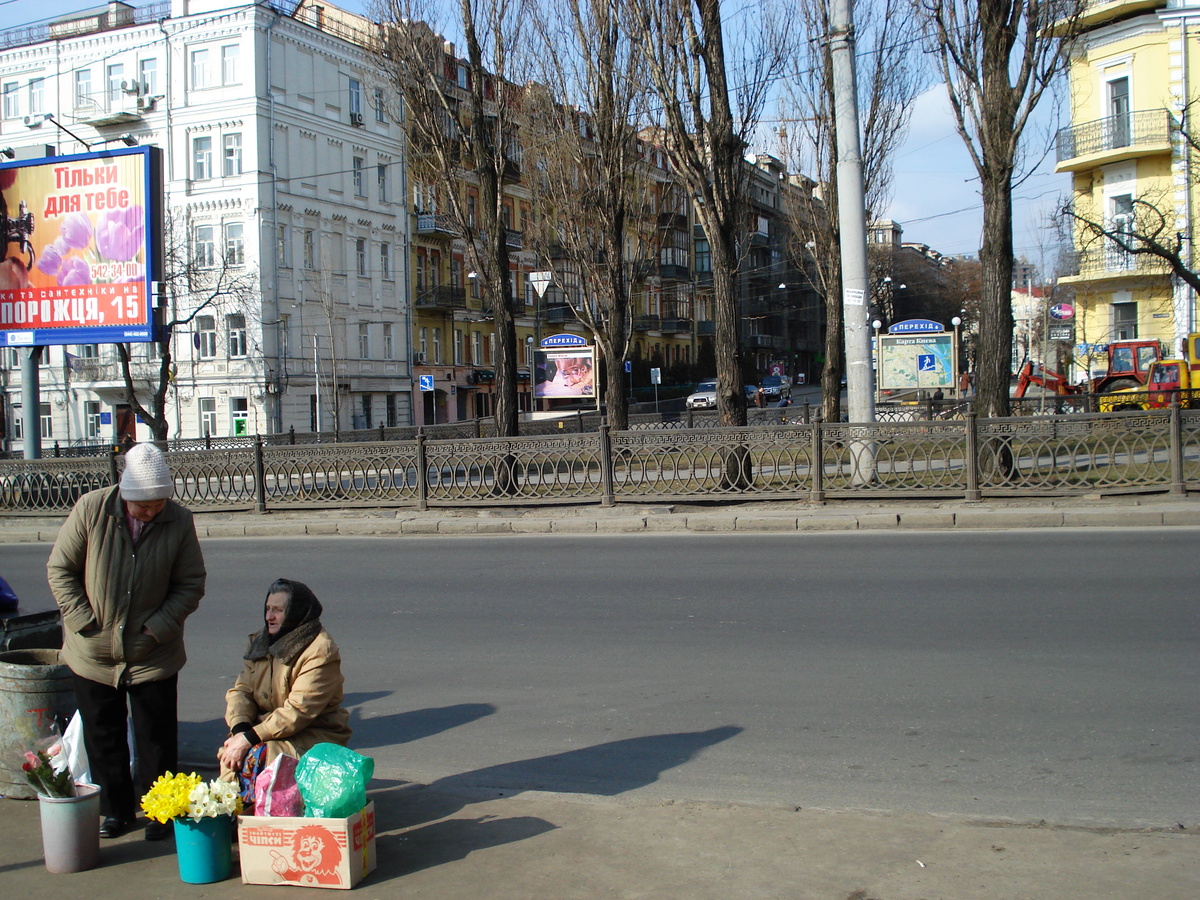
35, 690
31, 631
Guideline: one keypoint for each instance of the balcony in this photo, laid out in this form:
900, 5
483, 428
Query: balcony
706, 328
559, 315
763, 341
1116, 138
442, 297
1111, 265
670, 272
646, 323
676, 325
436, 225
514, 240
677, 221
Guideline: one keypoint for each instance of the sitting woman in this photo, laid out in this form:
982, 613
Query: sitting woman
289, 695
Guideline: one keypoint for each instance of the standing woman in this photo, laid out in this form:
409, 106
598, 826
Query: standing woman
289, 695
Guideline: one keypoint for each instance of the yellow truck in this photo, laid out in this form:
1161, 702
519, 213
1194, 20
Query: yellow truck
1167, 381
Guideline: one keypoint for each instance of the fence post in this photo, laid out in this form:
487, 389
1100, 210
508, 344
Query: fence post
579, 420
112, 464
606, 466
1176, 429
381, 437
971, 423
807, 412
292, 435
207, 441
422, 472
818, 464
691, 419
260, 476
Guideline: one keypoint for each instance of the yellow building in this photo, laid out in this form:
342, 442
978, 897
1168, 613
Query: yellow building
1132, 72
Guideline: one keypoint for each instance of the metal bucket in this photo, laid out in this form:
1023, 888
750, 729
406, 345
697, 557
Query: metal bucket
35, 689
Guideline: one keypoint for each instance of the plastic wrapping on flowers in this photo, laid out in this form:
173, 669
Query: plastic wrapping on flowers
333, 781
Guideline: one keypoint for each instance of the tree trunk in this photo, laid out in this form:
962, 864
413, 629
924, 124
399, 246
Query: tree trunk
993, 360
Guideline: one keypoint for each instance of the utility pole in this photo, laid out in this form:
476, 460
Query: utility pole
851, 217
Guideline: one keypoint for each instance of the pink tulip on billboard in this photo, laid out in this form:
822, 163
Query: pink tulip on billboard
119, 233
76, 230
74, 271
52, 257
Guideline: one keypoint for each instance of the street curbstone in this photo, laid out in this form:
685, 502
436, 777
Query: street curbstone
1008, 518
274, 529
368, 526
623, 525
460, 526
418, 526
926, 520
530, 526
322, 528
225, 529
878, 521
573, 526
765, 523
711, 523
839, 523
666, 523
1181, 517
1111, 518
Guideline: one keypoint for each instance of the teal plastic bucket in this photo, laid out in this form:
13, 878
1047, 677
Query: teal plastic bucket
204, 849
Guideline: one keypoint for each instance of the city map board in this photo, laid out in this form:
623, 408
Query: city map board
916, 362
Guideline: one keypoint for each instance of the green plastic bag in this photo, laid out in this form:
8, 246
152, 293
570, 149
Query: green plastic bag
333, 781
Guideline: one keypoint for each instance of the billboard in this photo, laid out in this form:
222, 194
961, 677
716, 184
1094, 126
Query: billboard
82, 248
565, 372
919, 362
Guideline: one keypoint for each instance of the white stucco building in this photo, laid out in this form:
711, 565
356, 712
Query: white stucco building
284, 175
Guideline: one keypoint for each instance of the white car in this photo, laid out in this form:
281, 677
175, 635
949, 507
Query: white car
704, 397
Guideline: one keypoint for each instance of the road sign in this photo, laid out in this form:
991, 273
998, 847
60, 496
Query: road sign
628, 366
926, 362
426, 382
540, 281
1062, 311
656, 376
1062, 333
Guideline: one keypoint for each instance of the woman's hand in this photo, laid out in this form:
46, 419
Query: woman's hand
233, 752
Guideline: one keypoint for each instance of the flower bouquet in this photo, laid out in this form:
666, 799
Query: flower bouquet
45, 775
176, 796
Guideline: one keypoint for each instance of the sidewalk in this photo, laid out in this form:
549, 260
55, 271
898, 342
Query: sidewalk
1110, 511
561, 847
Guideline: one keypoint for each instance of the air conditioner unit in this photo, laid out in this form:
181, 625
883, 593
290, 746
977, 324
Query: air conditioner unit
418, 359
356, 118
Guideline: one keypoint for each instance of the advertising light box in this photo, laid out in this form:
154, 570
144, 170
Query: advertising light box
82, 248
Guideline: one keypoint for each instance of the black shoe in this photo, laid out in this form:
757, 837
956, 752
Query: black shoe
114, 827
157, 831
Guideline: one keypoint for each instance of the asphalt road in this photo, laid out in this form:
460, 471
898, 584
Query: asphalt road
1027, 676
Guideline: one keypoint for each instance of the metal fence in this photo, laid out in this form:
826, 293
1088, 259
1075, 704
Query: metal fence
774, 457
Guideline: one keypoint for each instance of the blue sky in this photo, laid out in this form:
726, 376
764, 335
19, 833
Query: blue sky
935, 192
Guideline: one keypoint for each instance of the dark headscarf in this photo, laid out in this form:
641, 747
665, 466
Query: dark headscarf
301, 623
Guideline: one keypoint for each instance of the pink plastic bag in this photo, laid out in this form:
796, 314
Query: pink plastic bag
275, 790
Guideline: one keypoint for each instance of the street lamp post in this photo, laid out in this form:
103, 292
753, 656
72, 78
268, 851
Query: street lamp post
956, 322
877, 325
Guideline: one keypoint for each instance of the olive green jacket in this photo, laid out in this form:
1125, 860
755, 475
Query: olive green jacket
109, 589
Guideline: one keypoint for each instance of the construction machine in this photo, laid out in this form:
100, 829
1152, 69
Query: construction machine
1128, 365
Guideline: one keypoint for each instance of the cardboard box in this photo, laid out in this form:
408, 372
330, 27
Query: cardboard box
321, 853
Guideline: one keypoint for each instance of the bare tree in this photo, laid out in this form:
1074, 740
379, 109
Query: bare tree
708, 116
590, 181
998, 58
194, 285
463, 135
891, 76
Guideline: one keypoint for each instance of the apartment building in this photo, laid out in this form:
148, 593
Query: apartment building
1131, 78
286, 216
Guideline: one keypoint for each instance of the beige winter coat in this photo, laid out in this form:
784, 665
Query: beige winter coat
108, 589
292, 707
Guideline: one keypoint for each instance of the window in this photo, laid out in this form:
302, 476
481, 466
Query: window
703, 257
356, 170
458, 347
355, 97
83, 88
239, 416
114, 75
18, 423
12, 101
423, 340
235, 331
91, 419
382, 177
37, 95
206, 336
208, 416
364, 340
385, 262
389, 342
200, 74
1125, 324
229, 63
235, 244
283, 247
285, 337
360, 256
390, 407
202, 161
310, 252
437, 346
476, 348
89, 351
233, 154
46, 420
148, 75
1118, 111
204, 247
1122, 224
462, 77
368, 421
379, 110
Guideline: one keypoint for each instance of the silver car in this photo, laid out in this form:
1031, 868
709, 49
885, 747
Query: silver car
704, 397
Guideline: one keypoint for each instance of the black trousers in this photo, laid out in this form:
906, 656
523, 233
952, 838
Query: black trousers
154, 707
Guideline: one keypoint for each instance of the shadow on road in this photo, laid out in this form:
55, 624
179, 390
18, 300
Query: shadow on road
405, 727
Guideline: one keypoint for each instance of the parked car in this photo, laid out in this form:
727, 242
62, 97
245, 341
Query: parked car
774, 387
704, 397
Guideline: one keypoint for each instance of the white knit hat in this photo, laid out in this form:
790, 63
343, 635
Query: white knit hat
146, 476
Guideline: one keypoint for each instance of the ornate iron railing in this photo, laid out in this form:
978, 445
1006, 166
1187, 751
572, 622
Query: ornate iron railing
685, 456
1136, 129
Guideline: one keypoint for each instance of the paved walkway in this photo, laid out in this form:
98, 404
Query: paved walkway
560, 847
